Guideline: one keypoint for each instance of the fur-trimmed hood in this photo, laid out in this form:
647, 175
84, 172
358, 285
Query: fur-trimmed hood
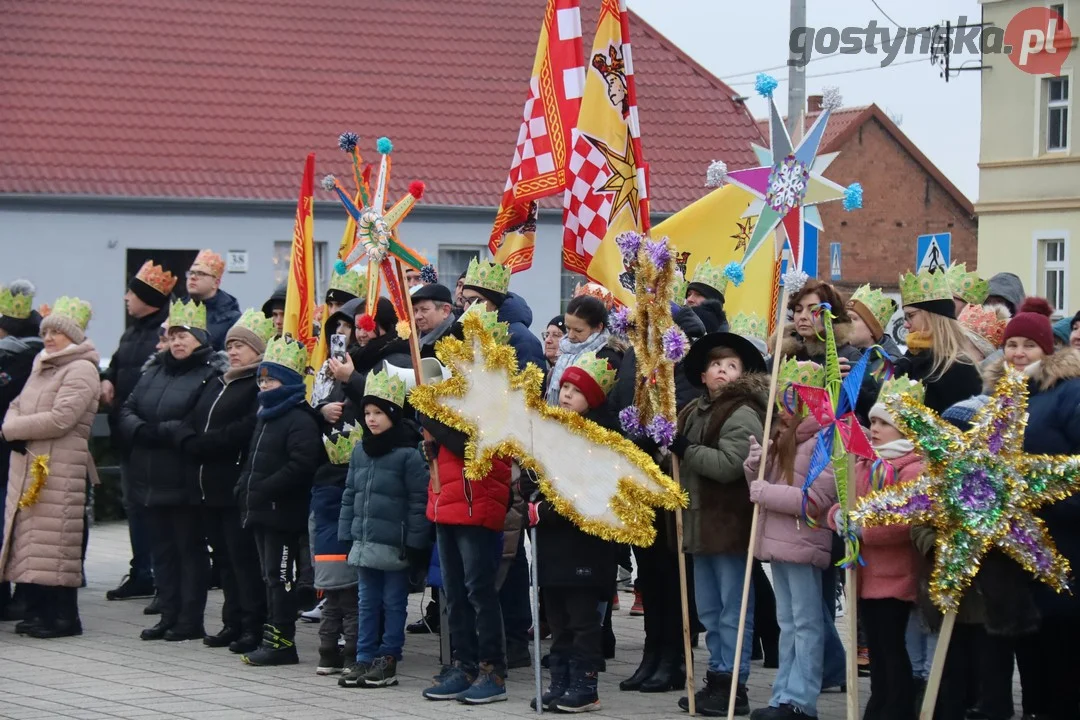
751, 389
1045, 374
795, 346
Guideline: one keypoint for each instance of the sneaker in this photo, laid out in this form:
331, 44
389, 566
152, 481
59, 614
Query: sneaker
428, 624
331, 661
277, 648
313, 615
354, 675
131, 587
638, 608
453, 684
864, 662
441, 675
488, 687
581, 697
383, 673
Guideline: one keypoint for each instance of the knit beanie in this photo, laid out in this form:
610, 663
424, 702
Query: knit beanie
246, 336
1063, 329
284, 375
495, 297
147, 294
65, 325
1033, 323
384, 317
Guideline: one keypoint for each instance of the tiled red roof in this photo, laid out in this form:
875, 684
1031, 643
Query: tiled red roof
210, 99
839, 122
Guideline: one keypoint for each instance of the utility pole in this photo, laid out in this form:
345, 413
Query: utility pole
796, 105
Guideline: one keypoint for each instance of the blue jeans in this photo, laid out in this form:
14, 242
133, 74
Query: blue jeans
468, 566
385, 594
921, 643
718, 583
834, 673
802, 636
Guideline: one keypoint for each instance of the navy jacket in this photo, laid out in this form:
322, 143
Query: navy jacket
331, 570
222, 312
517, 313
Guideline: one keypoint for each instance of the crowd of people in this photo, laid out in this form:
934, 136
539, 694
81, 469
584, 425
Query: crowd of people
336, 503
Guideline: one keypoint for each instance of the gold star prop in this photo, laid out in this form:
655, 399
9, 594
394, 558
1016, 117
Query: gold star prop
746, 227
979, 490
623, 180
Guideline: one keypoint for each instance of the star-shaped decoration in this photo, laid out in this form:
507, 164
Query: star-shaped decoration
623, 181
979, 490
746, 227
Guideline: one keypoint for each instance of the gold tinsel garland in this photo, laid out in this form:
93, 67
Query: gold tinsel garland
39, 473
654, 389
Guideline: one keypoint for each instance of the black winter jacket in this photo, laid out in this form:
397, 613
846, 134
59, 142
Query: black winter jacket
218, 433
959, 382
137, 345
150, 419
274, 490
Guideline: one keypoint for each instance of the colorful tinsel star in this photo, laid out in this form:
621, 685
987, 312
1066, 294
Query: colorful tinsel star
979, 490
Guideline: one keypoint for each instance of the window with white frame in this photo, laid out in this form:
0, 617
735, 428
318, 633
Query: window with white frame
1052, 273
282, 256
1057, 113
454, 260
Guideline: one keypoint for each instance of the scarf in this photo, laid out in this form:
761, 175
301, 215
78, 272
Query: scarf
275, 403
438, 331
383, 443
235, 373
894, 449
568, 353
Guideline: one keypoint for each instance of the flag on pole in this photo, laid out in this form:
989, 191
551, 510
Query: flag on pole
540, 156
606, 191
300, 293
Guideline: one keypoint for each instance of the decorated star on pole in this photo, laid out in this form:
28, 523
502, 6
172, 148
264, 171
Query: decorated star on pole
979, 490
623, 181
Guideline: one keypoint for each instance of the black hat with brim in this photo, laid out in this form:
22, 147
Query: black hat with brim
695, 363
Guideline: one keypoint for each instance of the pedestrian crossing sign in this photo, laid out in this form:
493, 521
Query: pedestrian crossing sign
834, 260
932, 252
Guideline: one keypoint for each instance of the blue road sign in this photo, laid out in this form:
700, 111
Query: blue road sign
933, 252
834, 260
810, 252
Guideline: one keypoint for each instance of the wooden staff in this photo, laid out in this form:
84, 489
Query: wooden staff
933, 683
852, 612
776, 361
688, 651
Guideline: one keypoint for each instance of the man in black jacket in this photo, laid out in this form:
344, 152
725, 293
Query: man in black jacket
147, 301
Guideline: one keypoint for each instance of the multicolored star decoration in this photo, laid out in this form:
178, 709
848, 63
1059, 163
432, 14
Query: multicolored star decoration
979, 490
623, 180
595, 477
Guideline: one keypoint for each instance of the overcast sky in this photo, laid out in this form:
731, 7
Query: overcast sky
734, 39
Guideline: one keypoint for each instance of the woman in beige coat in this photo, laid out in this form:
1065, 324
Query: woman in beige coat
48, 425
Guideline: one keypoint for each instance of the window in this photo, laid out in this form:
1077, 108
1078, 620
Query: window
1059, 8
569, 280
1051, 273
454, 260
282, 253
1057, 113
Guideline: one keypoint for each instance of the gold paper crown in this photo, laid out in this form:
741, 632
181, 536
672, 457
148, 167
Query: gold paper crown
967, 286
924, 287
256, 322
749, 326
15, 305
340, 449
880, 305
388, 387
488, 275
210, 260
350, 282
678, 288
489, 323
902, 385
190, 315
74, 309
712, 275
598, 369
288, 353
597, 291
156, 277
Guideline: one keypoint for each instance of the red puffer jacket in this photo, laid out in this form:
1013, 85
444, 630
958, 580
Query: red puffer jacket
465, 502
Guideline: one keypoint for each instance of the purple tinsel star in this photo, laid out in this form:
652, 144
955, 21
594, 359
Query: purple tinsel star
661, 430
630, 419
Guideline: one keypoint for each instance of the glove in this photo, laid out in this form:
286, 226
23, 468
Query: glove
419, 560
146, 435
534, 514
430, 450
18, 446
753, 458
757, 487
680, 445
838, 521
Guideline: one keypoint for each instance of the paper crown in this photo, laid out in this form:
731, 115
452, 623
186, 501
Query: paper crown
74, 309
211, 262
156, 277
288, 353
678, 288
257, 323
598, 369
712, 275
339, 450
924, 287
350, 281
388, 387
967, 286
986, 322
597, 291
800, 372
749, 325
489, 323
488, 275
189, 314
880, 305
15, 305
902, 385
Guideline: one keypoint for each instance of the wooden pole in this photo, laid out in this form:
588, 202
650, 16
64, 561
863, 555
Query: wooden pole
776, 361
688, 651
534, 578
933, 683
414, 354
852, 612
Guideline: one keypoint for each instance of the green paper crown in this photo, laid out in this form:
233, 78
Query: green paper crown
489, 321
902, 385
967, 286
712, 275
488, 275
749, 325
799, 372
924, 287
678, 288
880, 305
350, 282
74, 309
259, 324
288, 353
388, 387
190, 315
598, 369
340, 449
15, 305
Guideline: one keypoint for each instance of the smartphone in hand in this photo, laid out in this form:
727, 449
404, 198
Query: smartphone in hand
337, 347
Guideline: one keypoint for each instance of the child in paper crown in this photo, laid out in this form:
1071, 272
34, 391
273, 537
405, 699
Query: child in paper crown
274, 490
888, 582
792, 542
575, 570
715, 435
382, 516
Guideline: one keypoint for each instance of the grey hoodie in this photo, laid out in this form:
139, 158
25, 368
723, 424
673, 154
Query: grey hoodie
1008, 287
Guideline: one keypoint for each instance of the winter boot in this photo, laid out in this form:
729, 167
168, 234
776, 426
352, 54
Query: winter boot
354, 676
225, 637
62, 619
650, 662
383, 673
560, 682
132, 587
489, 687
247, 642
712, 700
670, 674
277, 647
427, 624
581, 697
331, 660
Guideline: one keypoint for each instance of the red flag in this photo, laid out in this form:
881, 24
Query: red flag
300, 294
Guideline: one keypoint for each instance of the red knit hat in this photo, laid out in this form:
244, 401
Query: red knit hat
1033, 323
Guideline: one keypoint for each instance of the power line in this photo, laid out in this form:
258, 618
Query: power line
919, 31
842, 72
